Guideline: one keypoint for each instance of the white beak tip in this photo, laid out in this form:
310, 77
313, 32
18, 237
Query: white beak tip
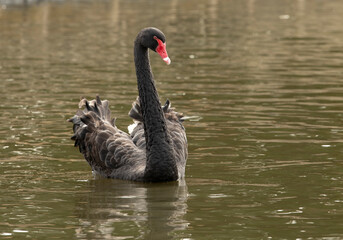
167, 60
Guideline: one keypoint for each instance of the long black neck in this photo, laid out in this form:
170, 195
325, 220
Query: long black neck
161, 165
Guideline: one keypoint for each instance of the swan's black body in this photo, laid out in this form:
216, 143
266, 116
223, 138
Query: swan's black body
156, 149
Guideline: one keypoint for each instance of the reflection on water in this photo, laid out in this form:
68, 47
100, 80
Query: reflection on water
260, 80
112, 207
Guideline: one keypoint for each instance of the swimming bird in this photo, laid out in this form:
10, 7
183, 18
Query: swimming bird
155, 150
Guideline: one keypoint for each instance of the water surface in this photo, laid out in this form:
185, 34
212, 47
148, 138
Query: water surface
261, 79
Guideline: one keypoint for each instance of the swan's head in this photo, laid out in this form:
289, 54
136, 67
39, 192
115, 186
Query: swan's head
154, 39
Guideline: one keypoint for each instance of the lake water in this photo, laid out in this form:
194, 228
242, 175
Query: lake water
261, 79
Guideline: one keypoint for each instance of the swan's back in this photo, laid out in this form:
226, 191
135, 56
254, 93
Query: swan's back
115, 154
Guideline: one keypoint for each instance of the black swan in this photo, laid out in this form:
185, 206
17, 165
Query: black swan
156, 148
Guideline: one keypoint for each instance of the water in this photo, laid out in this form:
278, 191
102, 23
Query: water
262, 81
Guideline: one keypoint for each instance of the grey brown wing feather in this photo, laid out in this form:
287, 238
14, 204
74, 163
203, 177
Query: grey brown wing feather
108, 150
180, 146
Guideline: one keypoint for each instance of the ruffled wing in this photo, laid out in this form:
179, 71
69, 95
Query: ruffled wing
109, 151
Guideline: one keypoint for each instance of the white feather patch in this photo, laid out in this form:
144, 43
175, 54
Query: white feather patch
131, 127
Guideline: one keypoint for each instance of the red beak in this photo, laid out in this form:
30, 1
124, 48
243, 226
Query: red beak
161, 49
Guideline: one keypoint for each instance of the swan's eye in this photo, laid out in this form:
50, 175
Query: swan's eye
161, 50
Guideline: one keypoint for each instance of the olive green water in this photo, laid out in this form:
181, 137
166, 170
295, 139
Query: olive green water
262, 81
